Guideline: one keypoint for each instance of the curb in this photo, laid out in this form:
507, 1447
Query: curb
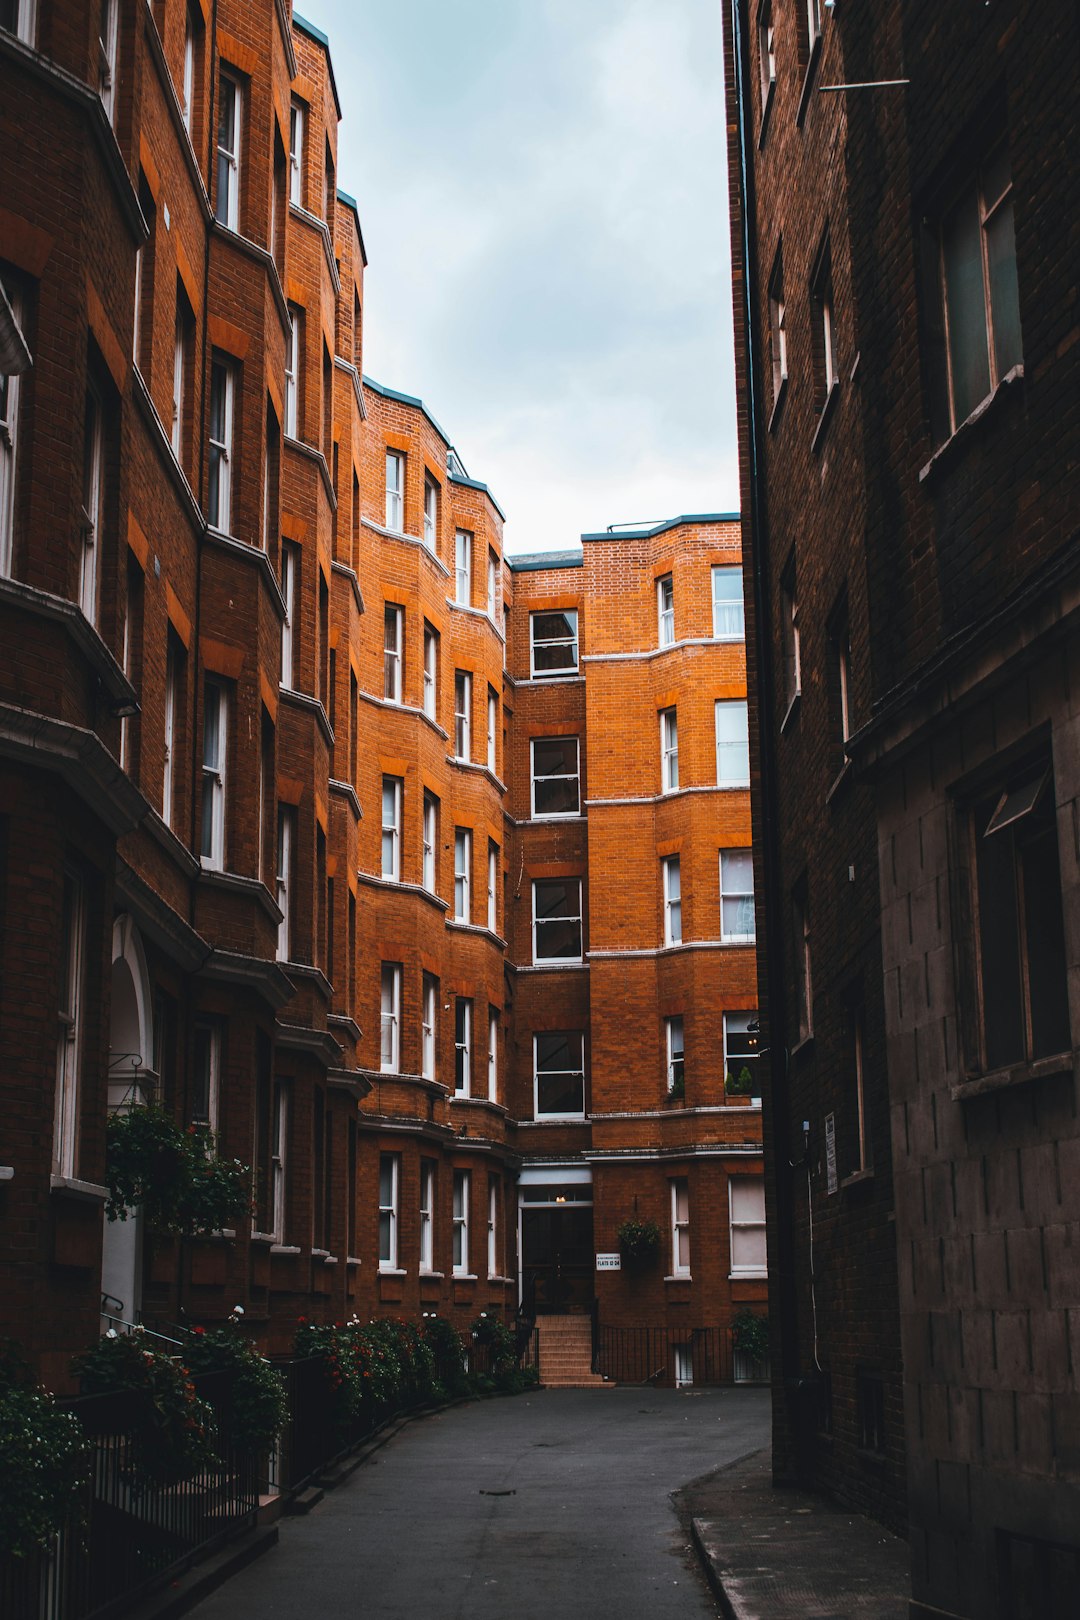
202, 1579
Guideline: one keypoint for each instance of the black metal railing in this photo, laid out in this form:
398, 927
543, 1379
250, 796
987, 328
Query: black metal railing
673, 1356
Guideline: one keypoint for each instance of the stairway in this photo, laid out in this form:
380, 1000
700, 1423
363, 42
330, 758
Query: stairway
566, 1353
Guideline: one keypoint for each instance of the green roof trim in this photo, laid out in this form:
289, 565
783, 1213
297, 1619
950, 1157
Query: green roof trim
532, 562
418, 405
350, 202
320, 38
662, 528
474, 483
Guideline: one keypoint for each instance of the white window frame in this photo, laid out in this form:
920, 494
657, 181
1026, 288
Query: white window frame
680, 1227
395, 491
732, 753
390, 1018
737, 895
292, 374
290, 561
214, 775
9, 444
297, 122
669, 751
223, 390
462, 1190
227, 208
463, 1011
187, 81
737, 1226
431, 670
675, 1047
71, 1009
560, 776
738, 1023
570, 670
538, 923
176, 432
108, 47
430, 832
93, 506
462, 714
463, 852
279, 1152
211, 1030
671, 874
428, 1014
431, 512
813, 23
26, 21
492, 729
736, 629
168, 776
393, 794
492, 887
492, 587
427, 1215
393, 618
389, 1183
790, 639
493, 1055
463, 545
547, 1114
766, 53
286, 840
492, 1228
665, 610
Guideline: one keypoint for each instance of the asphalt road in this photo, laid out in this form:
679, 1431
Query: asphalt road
554, 1503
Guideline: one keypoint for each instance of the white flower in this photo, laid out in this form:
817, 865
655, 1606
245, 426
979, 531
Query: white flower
112, 1334
238, 1310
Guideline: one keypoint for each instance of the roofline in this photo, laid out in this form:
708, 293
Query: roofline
350, 202
533, 562
474, 483
320, 38
418, 405
662, 528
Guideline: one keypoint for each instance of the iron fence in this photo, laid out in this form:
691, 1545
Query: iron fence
664, 1355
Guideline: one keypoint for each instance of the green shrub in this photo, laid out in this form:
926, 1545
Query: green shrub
750, 1334
259, 1406
44, 1458
173, 1175
173, 1430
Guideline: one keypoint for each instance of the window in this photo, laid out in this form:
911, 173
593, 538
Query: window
71, 1014
766, 54
215, 753
741, 1053
187, 87
463, 566
800, 925
461, 1223
665, 608
746, 1196
862, 1147
839, 655
680, 1227
93, 499
557, 920
392, 791
427, 1215
492, 728
672, 900
292, 364
219, 488
1021, 1008
393, 637
728, 618
493, 587
286, 835
462, 1046
395, 491
669, 750
180, 342
559, 1074
737, 896
431, 671
172, 712
430, 991
462, 714
824, 325
389, 1179
108, 45
19, 18
10, 387
430, 833
978, 293
462, 873
777, 328
555, 779
493, 1054
390, 1018
554, 643
230, 108
492, 886
205, 1073
279, 1141
676, 1069
290, 577
732, 744
813, 23
431, 511
492, 1227
790, 651
297, 123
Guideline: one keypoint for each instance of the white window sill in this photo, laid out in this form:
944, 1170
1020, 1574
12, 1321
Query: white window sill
7, 1172
678, 1277
493, 1277
392, 1271
352, 1260
431, 1276
466, 1276
285, 1248
748, 1276
962, 430
72, 1187
325, 1256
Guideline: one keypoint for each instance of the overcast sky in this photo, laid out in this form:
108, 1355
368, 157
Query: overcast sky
542, 192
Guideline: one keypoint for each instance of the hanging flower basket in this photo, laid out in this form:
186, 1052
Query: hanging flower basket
639, 1241
173, 1175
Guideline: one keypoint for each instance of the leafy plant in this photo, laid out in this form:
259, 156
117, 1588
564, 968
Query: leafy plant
43, 1459
740, 1085
174, 1175
750, 1334
493, 1331
638, 1240
677, 1088
172, 1429
259, 1409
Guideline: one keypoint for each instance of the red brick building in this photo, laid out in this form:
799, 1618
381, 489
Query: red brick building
904, 201
316, 814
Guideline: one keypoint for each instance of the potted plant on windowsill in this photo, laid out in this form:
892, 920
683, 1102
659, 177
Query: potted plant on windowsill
639, 1241
738, 1087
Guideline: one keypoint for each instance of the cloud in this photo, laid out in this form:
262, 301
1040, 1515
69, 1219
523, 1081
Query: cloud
543, 195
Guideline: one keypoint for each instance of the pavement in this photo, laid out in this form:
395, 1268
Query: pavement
780, 1554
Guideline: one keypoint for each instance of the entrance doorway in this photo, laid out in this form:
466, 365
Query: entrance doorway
556, 1248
